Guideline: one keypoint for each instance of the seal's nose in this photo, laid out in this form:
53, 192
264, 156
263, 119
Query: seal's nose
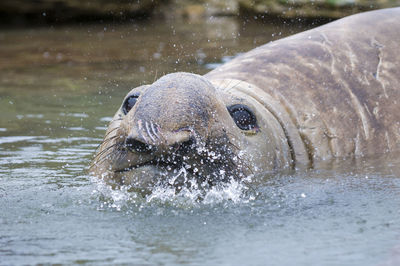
186, 146
182, 146
137, 146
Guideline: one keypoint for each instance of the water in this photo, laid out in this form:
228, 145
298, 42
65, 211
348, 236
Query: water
59, 87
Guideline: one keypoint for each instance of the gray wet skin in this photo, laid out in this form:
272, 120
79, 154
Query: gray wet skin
329, 92
180, 121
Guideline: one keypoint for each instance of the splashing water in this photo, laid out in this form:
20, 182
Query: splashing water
192, 194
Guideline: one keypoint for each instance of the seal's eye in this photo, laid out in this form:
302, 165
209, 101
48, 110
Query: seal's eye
243, 117
129, 103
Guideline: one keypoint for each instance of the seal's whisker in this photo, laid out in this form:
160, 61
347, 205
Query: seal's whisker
154, 130
227, 87
161, 135
105, 150
101, 159
140, 126
230, 142
237, 84
109, 132
234, 145
111, 138
148, 131
241, 162
99, 162
247, 166
143, 137
117, 120
105, 141
104, 157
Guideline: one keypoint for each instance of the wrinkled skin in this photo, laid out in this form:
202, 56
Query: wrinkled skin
330, 92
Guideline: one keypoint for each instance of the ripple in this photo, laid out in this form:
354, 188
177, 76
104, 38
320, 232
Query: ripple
78, 129
14, 139
106, 119
80, 115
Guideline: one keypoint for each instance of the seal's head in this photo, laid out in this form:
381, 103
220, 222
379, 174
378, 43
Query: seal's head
180, 128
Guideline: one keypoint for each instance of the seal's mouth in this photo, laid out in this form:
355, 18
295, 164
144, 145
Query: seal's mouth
209, 170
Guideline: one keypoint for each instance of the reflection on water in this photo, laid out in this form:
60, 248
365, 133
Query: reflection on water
58, 89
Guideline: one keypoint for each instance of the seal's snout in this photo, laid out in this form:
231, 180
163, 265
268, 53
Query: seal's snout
170, 113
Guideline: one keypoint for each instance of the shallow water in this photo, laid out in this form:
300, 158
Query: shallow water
59, 87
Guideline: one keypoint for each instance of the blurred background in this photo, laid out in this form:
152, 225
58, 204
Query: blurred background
22, 12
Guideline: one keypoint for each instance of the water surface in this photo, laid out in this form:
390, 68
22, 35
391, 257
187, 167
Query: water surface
59, 88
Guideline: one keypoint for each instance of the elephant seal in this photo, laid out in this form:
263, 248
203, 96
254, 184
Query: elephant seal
329, 92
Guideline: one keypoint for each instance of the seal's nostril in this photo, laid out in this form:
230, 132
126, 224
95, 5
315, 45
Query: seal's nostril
137, 146
186, 146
